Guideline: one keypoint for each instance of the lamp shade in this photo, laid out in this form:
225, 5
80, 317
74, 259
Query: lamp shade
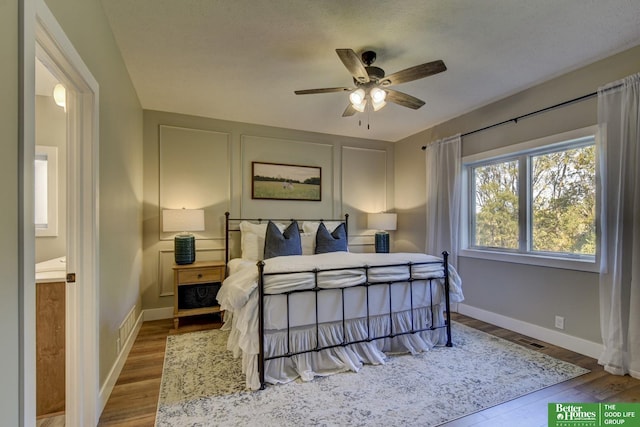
382, 221
378, 105
181, 220
360, 107
377, 95
357, 96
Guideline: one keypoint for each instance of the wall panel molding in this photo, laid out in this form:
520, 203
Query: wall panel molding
195, 173
364, 189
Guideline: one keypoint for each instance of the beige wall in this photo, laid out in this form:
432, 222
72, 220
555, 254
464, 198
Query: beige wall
174, 146
9, 254
120, 188
51, 130
530, 294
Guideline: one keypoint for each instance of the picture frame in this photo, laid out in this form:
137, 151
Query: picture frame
279, 181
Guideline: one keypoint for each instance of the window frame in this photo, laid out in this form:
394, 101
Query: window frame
523, 152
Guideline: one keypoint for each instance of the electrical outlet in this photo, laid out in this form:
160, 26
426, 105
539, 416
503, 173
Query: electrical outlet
559, 322
118, 343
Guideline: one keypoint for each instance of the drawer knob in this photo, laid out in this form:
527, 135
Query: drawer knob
199, 275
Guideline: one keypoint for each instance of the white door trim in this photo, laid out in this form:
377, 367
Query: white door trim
56, 51
26, 231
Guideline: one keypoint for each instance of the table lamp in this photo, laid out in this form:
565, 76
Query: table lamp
382, 222
183, 221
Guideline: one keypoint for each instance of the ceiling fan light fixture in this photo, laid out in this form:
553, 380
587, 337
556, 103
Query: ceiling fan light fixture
378, 105
361, 106
372, 83
60, 96
377, 95
357, 97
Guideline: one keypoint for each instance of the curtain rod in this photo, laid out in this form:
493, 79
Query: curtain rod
515, 119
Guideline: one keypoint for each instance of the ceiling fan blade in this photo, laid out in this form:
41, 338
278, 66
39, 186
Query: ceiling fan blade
353, 64
403, 99
414, 73
322, 90
349, 111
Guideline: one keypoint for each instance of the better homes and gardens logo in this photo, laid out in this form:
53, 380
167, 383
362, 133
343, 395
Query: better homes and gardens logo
594, 414
576, 414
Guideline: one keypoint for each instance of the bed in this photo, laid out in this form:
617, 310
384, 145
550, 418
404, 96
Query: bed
306, 314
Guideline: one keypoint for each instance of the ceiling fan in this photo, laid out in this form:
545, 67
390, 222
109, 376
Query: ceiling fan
371, 84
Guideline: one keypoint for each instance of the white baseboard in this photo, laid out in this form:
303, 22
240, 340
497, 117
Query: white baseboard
158, 313
112, 378
579, 345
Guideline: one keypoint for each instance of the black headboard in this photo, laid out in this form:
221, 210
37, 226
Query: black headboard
230, 227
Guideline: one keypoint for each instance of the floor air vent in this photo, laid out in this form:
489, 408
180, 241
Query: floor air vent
531, 343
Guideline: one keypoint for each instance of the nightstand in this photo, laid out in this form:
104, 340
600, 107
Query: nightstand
194, 288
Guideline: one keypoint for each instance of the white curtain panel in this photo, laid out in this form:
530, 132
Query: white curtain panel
619, 122
443, 163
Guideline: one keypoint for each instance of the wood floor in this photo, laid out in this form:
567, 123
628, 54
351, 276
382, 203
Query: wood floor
134, 398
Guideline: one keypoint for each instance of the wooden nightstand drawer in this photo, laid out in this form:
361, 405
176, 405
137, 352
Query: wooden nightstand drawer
200, 275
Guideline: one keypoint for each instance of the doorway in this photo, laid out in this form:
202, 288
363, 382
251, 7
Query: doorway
54, 50
50, 208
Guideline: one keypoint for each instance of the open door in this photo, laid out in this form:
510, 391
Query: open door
55, 51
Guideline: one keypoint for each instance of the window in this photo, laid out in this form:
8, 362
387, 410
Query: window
496, 207
534, 202
563, 200
42, 192
46, 191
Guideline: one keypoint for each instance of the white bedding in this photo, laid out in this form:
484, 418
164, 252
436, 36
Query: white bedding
239, 298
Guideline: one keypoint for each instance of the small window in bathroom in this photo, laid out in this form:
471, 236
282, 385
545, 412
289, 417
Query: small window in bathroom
46, 191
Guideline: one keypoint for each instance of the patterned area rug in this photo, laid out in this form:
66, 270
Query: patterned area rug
202, 385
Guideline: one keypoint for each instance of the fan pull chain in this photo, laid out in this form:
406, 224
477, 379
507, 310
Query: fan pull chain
368, 117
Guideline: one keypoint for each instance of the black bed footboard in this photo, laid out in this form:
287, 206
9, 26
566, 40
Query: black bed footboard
436, 280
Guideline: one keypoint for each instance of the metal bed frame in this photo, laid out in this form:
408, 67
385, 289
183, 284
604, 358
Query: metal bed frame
262, 358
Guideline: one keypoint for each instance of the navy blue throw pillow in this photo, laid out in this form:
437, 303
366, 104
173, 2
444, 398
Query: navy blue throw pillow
331, 242
281, 244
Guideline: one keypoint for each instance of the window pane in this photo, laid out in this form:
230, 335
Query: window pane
41, 192
563, 201
496, 205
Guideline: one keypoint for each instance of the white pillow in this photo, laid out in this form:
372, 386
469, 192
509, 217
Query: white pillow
308, 241
312, 226
252, 239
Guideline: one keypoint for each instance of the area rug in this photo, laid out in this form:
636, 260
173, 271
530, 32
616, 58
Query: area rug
202, 385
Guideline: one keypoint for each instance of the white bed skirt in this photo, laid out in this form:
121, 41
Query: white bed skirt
302, 291
343, 358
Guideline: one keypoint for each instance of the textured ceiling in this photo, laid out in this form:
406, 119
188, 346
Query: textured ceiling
241, 60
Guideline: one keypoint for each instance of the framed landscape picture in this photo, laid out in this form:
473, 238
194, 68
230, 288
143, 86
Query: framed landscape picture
285, 182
